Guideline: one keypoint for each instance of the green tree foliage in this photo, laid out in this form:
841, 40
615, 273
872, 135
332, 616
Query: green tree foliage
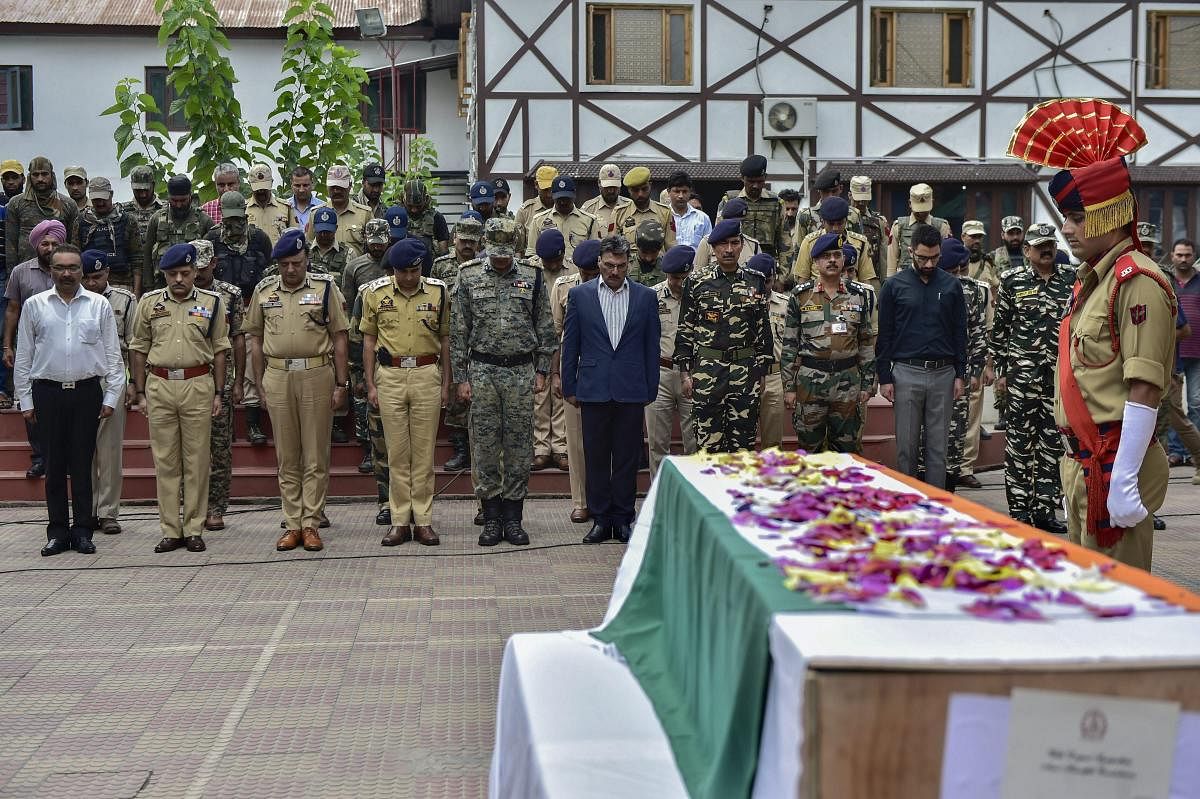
422, 160
140, 140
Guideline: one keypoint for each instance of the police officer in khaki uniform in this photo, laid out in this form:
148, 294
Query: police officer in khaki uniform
106, 477
352, 217
574, 224
920, 204
179, 222
265, 211
587, 264
544, 178
670, 402
177, 356
609, 201
764, 216
294, 320
834, 218
406, 358
770, 414
642, 208
549, 410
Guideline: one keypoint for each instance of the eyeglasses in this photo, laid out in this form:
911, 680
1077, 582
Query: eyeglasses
925, 259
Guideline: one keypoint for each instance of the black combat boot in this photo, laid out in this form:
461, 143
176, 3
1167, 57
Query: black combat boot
513, 532
253, 426
493, 532
367, 464
462, 452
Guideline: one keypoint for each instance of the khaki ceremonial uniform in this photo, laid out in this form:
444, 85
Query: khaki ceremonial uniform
802, 268
660, 414
627, 219
572, 419
178, 336
706, 257
106, 469
898, 254
549, 411
272, 218
525, 214
576, 226
771, 411
351, 221
1146, 325
296, 328
606, 215
412, 329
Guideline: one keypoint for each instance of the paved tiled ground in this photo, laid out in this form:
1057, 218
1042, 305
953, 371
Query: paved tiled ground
305, 675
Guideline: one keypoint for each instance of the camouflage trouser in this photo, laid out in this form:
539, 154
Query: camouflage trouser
827, 414
725, 400
501, 425
456, 410
379, 453
358, 385
960, 418
222, 459
1032, 450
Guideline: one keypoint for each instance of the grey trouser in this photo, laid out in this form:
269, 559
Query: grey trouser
924, 398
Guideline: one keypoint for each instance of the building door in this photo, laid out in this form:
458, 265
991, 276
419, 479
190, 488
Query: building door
957, 202
1172, 208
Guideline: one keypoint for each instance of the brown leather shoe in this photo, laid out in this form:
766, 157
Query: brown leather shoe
539, 462
287, 541
424, 534
312, 541
169, 545
580, 515
560, 460
397, 535
194, 543
214, 522
110, 526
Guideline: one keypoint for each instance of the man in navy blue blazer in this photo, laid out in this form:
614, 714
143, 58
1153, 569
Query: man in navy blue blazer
609, 365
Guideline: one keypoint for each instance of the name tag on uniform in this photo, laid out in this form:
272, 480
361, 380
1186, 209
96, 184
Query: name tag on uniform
310, 299
271, 304
1026, 293
426, 306
810, 307
839, 327
200, 312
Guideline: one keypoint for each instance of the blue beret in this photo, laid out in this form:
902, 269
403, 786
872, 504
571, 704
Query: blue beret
478, 217
1061, 257
563, 186
678, 259
550, 244
954, 254
93, 261
834, 209
850, 254
725, 229
291, 242
826, 242
397, 219
587, 254
734, 209
763, 264
178, 255
482, 191
406, 254
325, 220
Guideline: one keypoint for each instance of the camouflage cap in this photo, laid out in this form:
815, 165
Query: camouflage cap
468, 229
1012, 223
75, 172
500, 236
233, 205
1041, 232
141, 177
99, 187
377, 231
973, 227
204, 252
1147, 231
650, 234
415, 192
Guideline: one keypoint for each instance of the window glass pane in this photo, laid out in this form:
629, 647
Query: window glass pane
1008, 204
1179, 219
1183, 51
599, 48
950, 203
640, 33
678, 67
918, 50
1153, 211
883, 37
983, 210
954, 57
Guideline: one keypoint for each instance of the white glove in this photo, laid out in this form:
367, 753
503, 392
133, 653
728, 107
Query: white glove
1125, 508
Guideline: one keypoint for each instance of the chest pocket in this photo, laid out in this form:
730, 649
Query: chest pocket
89, 331
1091, 341
273, 320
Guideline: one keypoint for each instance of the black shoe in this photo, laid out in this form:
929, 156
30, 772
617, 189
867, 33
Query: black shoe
1159, 524
55, 546
623, 532
84, 546
985, 434
367, 464
194, 543
1051, 525
338, 435
479, 520
462, 453
324, 522
513, 532
384, 517
493, 531
1000, 426
969, 481
598, 534
36, 469
254, 431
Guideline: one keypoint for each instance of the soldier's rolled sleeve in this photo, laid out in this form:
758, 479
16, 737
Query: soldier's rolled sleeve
1148, 347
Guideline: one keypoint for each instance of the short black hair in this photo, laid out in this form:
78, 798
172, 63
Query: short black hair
679, 178
67, 248
614, 244
787, 195
301, 171
1186, 242
926, 235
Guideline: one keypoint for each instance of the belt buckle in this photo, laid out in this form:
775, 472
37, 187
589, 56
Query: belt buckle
295, 364
174, 374
69, 385
408, 361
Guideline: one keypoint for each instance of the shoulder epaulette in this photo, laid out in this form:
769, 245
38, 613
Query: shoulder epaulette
125, 291
227, 286
807, 285
1011, 272
865, 288
433, 281
328, 278
445, 257
371, 285
209, 292
563, 280
360, 206
266, 282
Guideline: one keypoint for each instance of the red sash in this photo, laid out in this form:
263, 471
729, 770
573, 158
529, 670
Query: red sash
1097, 449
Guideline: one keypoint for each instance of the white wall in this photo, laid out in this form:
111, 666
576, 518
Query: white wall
74, 76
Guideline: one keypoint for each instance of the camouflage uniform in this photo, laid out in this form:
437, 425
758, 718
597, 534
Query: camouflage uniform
724, 342
431, 228
809, 220
23, 215
1003, 261
646, 274
984, 268
359, 272
162, 231
446, 270
1024, 350
116, 235
828, 358
763, 220
874, 227
221, 447
368, 424
332, 261
140, 219
899, 256
978, 296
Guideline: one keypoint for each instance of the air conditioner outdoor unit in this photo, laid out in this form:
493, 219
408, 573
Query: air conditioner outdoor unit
789, 118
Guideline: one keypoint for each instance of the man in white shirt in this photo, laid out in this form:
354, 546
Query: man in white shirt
691, 224
66, 344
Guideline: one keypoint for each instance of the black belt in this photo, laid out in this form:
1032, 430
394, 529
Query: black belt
87, 381
502, 360
837, 365
937, 363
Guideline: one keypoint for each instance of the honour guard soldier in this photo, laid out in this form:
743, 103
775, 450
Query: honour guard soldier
1116, 344
179, 222
177, 355
828, 353
764, 215
574, 224
502, 339
834, 212
294, 320
406, 327
723, 348
670, 402
627, 217
920, 204
545, 176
